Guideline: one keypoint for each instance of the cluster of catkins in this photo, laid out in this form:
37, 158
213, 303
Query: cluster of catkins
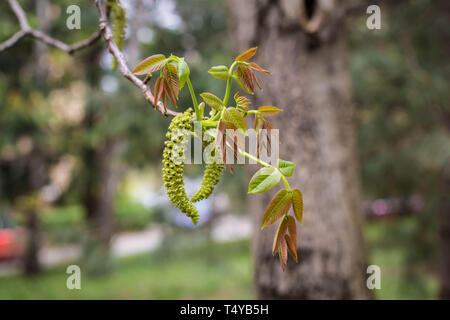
173, 165
212, 175
173, 168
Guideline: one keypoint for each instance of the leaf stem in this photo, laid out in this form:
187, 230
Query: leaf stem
265, 164
227, 90
198, 114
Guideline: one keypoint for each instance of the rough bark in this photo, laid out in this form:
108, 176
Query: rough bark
444, 236
302, 43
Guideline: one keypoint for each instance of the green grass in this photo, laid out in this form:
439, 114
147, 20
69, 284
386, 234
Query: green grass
216, 271
392, 249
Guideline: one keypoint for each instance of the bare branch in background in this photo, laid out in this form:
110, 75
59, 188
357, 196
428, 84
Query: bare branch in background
118, 55
26, 30
104, 31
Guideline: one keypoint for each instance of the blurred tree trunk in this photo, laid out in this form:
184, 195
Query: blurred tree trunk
444, 235
302, 43
104, 172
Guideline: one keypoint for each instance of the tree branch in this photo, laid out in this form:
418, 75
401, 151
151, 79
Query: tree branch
104, 30
39, 35
118, 55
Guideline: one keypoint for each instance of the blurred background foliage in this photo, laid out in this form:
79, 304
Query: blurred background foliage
70, 128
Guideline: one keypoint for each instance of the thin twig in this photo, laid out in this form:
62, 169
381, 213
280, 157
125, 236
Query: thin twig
118, 55
39, 35
104, 30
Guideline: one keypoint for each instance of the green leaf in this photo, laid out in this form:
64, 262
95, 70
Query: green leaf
264, 179
150, 64
183, 72
234, 119
268, 110
281, 231
286, 167
212, 101
297, 203
279, 205
219, 72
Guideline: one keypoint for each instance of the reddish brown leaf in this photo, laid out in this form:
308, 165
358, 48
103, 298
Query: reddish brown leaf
281, 231
169, 93
245, 78
282, 253
158, 90
257, 67
247, 54
171, 75
292, 247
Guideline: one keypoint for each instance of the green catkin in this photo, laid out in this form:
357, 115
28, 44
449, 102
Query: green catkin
211, 178
173, 167
119, 21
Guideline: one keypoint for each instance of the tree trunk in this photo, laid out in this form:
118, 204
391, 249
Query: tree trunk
302, 43
444, 236
105, 169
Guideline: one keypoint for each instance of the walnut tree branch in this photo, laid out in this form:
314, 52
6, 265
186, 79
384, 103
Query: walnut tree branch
118, 55
26, 30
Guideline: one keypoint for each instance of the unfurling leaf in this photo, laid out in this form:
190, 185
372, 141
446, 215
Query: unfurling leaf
234, 119
247, 54
171, 76
268, 110
291, 239
158, 90
264, 179
291, 247
246, 77
282, 253
279, 205
256, 67
281, 231
286, 167
150, 64
183, 72
219, 72
297, 203
211, 100
241, 102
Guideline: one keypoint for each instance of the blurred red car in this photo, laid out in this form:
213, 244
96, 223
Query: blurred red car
10, 239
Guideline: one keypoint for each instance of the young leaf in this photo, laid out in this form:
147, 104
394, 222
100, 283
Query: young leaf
297, 203
256, 67
150, 64
219, 72
247, 54
264, 179
286, 167
171, 76
281, 231
277, 207
282, 253
245, 76
268, 110
158, 90
212, 101
233, 119
169, 92
292, 247
292, 228
239, 82
183, 72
